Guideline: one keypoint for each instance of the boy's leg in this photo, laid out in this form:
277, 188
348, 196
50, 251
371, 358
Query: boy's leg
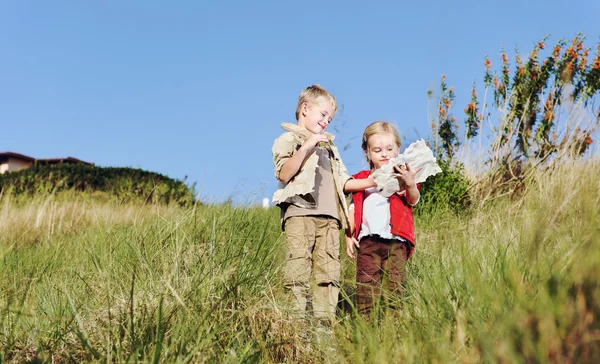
326, 268
299, 240
394, 268
368, 274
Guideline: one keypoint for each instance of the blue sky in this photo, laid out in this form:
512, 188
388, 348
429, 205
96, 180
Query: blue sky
199, 88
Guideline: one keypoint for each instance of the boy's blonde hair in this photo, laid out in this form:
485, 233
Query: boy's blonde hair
311, 94
378, 127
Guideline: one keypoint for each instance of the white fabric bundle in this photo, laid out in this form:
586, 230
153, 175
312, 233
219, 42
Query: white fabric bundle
417, 155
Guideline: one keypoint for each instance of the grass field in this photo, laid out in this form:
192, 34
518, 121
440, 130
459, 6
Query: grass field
516, 280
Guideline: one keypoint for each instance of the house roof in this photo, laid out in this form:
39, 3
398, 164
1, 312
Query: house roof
44, 160
17, 155
63, 160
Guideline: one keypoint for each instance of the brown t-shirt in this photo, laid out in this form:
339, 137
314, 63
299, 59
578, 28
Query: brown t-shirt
325, 193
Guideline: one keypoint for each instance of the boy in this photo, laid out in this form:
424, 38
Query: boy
312, 183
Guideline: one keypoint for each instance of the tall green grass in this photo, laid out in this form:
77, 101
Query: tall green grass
81, 280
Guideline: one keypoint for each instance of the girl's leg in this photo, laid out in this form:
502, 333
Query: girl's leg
368, 274
394, 268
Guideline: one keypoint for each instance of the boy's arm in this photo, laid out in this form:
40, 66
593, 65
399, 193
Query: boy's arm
291, 167
351, 184
357, 185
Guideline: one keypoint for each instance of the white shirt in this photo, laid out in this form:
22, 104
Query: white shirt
376, 216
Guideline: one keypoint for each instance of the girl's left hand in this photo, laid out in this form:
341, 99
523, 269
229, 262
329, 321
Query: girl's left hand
351, 242
405, 175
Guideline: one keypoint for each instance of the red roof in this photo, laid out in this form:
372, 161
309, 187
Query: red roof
44, 160
17, 155
62, 160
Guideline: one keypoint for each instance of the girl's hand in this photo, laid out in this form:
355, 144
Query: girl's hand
405, 175
350, 243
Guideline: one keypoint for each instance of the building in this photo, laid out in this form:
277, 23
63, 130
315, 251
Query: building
10, 161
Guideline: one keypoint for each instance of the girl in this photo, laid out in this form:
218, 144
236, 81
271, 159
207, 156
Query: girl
381, 228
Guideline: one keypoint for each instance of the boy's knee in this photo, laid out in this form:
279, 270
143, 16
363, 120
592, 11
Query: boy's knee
297, 270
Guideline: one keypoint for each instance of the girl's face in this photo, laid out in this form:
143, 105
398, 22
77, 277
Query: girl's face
381, 148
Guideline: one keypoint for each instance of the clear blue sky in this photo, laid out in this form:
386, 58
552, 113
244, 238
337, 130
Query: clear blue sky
199, 88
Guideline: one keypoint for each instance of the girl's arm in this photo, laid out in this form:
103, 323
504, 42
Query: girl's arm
412, 194
407, 175
351, 241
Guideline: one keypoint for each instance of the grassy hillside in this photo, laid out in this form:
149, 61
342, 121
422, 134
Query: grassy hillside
515, 280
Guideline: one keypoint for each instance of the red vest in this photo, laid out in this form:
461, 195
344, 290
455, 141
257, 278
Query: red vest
401, 218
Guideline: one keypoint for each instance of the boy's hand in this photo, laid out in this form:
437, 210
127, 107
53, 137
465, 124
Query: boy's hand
314, 140
405, 174
350, 243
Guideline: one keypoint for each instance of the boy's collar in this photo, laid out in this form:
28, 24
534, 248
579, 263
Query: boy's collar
303, 133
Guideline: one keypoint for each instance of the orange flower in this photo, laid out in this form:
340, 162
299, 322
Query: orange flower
588, 140
474, 93
453, 119
443, 78
504, 58
541, 45
533, 54
521, 71
487, 64
596, 64
580, 46
433, 125
456, 126
556, 51
583, 61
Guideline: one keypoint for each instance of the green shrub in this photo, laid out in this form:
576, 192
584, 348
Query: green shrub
125, 184
445, 191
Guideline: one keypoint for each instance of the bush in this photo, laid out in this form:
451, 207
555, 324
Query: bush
445, 190
125, 184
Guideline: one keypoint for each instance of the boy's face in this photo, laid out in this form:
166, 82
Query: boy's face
316, 116
382, 148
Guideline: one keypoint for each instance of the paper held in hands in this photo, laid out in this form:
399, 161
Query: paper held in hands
417, 155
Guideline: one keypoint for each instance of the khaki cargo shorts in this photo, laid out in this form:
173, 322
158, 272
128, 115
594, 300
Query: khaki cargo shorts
312, 246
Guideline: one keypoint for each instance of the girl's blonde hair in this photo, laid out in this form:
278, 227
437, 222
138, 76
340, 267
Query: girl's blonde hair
311, 95
378, 127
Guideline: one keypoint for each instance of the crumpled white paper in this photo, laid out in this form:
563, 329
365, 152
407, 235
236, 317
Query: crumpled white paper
417, 155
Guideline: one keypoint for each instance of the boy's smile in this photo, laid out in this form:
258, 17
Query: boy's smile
316, 116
